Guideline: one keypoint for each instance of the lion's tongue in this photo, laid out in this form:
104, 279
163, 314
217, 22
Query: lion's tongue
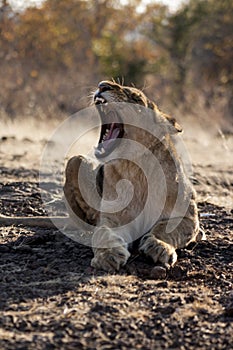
112, 135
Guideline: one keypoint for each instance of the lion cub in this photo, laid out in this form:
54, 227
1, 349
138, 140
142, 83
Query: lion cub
140, 187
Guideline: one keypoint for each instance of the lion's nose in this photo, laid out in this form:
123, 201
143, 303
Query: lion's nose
102, 87
97, 94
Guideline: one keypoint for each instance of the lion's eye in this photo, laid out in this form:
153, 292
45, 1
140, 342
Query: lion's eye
128, 93
136, 97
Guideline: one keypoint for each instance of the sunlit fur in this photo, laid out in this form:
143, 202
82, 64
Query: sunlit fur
157, 243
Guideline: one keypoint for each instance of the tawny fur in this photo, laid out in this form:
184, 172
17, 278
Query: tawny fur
111, 249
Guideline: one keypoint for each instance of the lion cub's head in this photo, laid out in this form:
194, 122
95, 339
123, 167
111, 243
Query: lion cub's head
113, 129
109, 91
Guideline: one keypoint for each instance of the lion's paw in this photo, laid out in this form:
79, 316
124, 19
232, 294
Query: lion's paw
110, 259
159, 251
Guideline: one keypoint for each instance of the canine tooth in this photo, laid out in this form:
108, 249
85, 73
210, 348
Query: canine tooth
99, 150
100, 99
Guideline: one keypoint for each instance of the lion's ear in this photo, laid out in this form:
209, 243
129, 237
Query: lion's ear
175, 127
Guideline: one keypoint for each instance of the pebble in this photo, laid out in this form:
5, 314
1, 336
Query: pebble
177, 272
158, 273
4, 249
24, 248
229, 310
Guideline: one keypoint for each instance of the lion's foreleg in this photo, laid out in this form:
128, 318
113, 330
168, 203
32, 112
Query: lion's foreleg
110, 249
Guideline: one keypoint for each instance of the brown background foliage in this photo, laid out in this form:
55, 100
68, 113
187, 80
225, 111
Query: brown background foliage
53, 56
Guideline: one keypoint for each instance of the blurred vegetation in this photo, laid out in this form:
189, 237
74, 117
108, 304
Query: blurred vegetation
54, 55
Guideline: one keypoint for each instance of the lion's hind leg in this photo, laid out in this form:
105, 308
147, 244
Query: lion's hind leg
89, 178
166, 236
160, 251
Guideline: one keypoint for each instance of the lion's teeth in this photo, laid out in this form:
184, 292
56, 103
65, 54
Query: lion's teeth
100, 100
106, 134
99, 150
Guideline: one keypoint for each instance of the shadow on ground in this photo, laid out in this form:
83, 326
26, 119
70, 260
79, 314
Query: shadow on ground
52, 299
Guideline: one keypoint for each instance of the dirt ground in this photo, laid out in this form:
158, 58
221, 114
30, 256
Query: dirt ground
50, 297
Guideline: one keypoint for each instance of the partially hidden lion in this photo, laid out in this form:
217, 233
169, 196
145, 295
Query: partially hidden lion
155, 171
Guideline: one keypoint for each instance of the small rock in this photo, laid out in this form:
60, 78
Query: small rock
163, 284
177, 272
4, 248
229, 310
158, 273
24, 248
166, 310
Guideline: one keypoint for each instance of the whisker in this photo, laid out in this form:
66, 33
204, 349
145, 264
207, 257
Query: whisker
146, 86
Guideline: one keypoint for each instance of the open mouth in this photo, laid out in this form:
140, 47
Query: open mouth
112, 128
